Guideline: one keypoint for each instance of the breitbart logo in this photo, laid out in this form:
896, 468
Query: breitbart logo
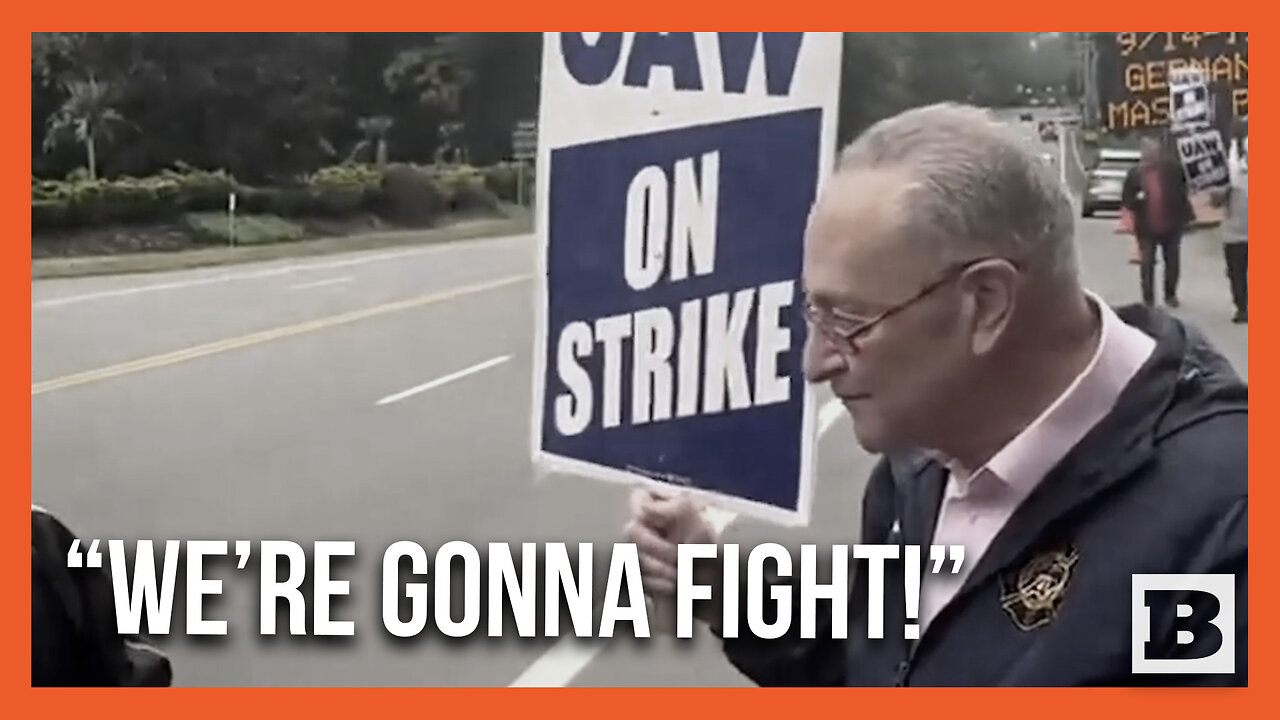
1200, 612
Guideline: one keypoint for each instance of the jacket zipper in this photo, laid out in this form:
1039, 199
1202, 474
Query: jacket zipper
900, 679
904, 665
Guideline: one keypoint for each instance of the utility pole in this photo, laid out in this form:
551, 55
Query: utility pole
1087, 57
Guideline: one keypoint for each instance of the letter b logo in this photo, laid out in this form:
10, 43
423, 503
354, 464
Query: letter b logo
1204, 614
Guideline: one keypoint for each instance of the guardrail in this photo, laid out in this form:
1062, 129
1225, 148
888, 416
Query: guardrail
1075, 174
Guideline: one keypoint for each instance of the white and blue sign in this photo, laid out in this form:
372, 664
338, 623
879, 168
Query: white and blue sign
676, 172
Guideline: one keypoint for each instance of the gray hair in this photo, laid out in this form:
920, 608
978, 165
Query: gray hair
977, 189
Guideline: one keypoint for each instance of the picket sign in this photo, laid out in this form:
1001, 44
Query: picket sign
676, 172
1200, 147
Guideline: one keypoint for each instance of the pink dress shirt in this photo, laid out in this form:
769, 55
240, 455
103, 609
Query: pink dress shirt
975, 507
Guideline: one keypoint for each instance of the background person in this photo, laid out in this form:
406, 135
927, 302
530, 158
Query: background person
1234, 229
1155, 193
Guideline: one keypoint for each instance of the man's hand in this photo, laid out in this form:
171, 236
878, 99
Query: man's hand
658, 526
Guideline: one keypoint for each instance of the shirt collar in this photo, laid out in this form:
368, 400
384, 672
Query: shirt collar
1022, 463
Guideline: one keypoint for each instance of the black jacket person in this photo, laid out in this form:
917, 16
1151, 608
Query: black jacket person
1160, 486
1082, 445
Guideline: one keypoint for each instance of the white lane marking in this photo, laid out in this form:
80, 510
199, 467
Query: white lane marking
258, 274
557, 666
443, 380
139, 289
321, 283
562, 663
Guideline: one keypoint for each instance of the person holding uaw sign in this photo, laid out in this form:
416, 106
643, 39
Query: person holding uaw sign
1066, 455
1160, 194
1072, 446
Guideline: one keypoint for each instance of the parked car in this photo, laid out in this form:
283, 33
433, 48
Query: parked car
1048, 131
1106, 179
1026, 117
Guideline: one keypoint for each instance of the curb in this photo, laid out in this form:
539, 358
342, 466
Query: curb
142, 263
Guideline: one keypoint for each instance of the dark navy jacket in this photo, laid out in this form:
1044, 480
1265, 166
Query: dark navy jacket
1160, 486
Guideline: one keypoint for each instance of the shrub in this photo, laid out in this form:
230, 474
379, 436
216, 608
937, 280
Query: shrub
344, 189
411, 195
200, 190
331, 191
287, 202
80, 201
474, 198
503, 181
48, 214
407, 194
215, 228
465, 188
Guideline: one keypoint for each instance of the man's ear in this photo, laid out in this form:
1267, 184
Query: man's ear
991, 289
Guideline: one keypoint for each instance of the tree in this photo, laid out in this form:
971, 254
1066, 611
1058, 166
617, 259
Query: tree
873, 81
269, 107
503, 90
375, 130
87, 116
434, 72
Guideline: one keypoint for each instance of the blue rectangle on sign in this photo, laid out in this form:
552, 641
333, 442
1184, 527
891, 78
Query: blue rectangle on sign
736, 425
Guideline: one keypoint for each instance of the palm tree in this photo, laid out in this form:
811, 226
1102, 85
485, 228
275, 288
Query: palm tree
87, 116
375, 130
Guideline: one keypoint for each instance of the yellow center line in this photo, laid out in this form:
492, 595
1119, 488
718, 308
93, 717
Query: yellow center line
257, 338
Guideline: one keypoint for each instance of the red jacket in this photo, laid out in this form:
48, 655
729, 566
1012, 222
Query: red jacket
1173, 187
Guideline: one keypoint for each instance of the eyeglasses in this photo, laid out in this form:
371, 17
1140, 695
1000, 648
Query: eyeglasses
846, 329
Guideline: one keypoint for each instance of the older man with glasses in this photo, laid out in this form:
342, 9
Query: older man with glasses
1066, 445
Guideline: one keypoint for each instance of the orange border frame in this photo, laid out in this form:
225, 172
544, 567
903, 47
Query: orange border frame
559, 703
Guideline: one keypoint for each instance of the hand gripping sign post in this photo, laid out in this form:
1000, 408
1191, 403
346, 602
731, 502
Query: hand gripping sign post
676, 172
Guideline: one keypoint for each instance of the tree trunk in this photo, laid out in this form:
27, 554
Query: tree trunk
93, 156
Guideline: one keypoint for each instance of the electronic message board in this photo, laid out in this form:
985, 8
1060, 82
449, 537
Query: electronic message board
1133, 68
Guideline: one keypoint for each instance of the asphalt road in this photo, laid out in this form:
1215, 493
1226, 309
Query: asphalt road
243, 404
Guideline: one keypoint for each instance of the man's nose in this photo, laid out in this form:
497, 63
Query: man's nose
821, 361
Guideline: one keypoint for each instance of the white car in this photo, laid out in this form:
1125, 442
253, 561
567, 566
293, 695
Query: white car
1106, 179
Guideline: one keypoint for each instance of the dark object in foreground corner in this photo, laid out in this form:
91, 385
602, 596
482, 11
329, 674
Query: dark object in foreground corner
74, 641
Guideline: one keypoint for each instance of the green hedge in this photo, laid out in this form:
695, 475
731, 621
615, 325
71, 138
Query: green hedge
80, 201
215, 228
336, 191
503, 180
